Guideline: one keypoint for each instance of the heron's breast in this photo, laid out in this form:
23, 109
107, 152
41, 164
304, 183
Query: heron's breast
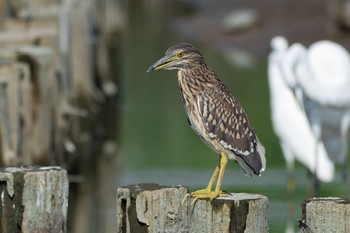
196, 122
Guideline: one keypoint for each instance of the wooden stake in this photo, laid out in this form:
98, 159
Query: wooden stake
330, 214
157, 208
33, 199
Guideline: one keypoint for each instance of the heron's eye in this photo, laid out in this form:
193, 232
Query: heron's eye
180, 54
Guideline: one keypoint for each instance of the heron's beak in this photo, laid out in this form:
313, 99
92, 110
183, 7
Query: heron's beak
163, 63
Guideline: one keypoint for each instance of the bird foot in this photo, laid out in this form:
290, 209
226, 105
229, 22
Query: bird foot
204, 194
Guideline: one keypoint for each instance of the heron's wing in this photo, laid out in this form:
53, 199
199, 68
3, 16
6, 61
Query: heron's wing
226, 122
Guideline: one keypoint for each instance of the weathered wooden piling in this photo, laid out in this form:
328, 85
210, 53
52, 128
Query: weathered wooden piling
58, 97
330, 214
15, 102
157, 208
33, 199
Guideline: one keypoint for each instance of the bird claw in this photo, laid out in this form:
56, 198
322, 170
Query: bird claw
194, 201
204, 194
185, 197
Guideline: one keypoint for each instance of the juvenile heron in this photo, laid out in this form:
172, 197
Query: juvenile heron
214, 114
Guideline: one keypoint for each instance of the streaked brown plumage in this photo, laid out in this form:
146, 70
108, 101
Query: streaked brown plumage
214, 114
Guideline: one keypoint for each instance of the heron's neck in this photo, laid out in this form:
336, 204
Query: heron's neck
196, 78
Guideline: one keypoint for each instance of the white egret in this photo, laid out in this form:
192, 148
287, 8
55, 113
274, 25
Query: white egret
290, 123
319, 80
324, 76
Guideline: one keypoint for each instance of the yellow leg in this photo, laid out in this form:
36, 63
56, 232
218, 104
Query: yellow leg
223, 164
208, 192
213, 179
208, 188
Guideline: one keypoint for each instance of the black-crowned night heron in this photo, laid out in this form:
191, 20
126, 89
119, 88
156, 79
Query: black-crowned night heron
214, 114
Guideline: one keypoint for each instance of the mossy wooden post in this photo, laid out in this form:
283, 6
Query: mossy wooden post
146, 208
331, 215
33, 199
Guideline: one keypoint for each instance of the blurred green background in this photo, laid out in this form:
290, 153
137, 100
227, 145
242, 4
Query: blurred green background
156, 143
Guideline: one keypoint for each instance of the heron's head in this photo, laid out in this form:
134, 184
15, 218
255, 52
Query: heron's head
179, 56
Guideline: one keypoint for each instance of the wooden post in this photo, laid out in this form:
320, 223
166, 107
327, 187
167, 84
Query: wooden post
40, 60
33, 199
330, 214
15, 117
157, 208
71, 120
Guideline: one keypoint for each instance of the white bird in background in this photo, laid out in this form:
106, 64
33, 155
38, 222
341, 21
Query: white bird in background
310, 118
325, 79
290, 123
317, 83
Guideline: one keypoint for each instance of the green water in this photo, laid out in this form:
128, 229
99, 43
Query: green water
154, 133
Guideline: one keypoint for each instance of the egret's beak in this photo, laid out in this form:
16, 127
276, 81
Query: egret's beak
163, 63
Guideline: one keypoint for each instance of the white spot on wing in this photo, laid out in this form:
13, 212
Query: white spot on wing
244, 152
199, 108
226, 146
